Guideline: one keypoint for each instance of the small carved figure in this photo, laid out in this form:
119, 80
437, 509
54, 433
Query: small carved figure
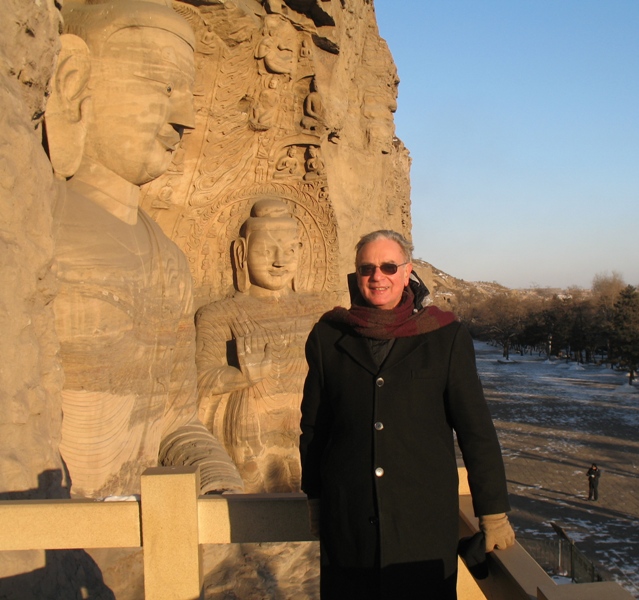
305, 51
315, 167
287, 165
265, 110
250, 352
123, 312
276, 49
378, 110
313, 119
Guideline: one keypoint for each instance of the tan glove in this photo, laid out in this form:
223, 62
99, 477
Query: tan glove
498, 531
314, 516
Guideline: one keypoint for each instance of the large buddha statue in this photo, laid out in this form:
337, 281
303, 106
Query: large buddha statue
122, 100
250, 352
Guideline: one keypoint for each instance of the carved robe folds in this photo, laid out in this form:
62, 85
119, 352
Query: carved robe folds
123, 315
258, 422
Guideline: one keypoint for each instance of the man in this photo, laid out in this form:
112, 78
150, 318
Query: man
593, 482
122, 100
389, 384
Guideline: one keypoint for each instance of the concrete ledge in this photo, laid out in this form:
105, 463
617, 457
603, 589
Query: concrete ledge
584, 591
514, 574
60, 524
176, 522
253, 518
172, 550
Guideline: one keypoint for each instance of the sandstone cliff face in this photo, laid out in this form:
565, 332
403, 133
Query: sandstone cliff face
30, 374
296, 100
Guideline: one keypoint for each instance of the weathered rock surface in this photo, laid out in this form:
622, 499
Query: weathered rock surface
293, 100
30, 373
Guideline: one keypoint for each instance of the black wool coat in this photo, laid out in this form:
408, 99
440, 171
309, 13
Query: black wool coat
377, 449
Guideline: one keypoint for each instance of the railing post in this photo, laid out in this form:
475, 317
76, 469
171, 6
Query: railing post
172, 553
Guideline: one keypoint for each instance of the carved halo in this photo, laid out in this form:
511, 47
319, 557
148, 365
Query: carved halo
219, 226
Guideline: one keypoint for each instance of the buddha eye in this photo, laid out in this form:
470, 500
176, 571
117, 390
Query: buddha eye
169, 88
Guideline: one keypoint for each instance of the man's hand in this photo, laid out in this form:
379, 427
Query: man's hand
498, 531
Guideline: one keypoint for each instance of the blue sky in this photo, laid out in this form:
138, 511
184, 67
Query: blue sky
522, 121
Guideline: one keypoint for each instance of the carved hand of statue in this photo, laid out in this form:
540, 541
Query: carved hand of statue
254, 359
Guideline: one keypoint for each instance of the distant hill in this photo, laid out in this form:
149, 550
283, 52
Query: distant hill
445, 288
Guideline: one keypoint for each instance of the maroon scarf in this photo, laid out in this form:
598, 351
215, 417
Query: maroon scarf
402, 321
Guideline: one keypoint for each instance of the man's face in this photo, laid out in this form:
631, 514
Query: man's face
141, 102
273, 256
380, 290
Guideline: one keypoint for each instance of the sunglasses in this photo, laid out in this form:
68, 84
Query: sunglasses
366, 270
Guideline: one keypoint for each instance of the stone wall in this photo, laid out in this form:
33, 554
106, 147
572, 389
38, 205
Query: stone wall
293, 99
30, 373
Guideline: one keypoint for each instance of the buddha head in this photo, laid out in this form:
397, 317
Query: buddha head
122, 91
266, 255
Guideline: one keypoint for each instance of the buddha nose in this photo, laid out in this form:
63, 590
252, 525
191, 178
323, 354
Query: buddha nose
182, 112
281, 258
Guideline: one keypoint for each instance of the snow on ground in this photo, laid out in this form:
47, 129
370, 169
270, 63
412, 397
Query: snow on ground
554, 419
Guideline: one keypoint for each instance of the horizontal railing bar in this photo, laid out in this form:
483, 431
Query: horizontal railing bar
63, 524
253, 518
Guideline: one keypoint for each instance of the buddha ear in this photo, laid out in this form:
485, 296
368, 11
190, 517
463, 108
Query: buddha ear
68, 109
240, 254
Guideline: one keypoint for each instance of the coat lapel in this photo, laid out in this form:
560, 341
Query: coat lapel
403, 347
357, 348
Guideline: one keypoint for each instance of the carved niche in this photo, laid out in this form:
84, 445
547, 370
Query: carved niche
261, 126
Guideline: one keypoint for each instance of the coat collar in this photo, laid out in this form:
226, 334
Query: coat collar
357, 348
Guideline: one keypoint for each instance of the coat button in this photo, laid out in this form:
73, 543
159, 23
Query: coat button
379, 472
379, 382
379, 425
373, 520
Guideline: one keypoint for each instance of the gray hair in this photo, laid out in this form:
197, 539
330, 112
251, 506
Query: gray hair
387, 234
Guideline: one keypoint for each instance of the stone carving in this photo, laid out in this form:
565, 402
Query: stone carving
285, 75
287, 165
217, 226
314, 164
313, 119
277, 50
123, 313
265, 109
250, 351
217, 171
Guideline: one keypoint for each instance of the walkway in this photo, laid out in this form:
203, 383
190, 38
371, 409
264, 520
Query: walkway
553, 422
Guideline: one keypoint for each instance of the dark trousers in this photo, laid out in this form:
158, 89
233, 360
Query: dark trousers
413, 581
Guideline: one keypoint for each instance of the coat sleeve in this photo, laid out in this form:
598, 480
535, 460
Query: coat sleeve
316, 420
475, 431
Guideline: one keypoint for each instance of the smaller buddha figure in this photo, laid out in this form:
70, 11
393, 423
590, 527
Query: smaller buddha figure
277, 49
287, 165
264, 111
250, 352
315, 167
305, 50
313, 119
